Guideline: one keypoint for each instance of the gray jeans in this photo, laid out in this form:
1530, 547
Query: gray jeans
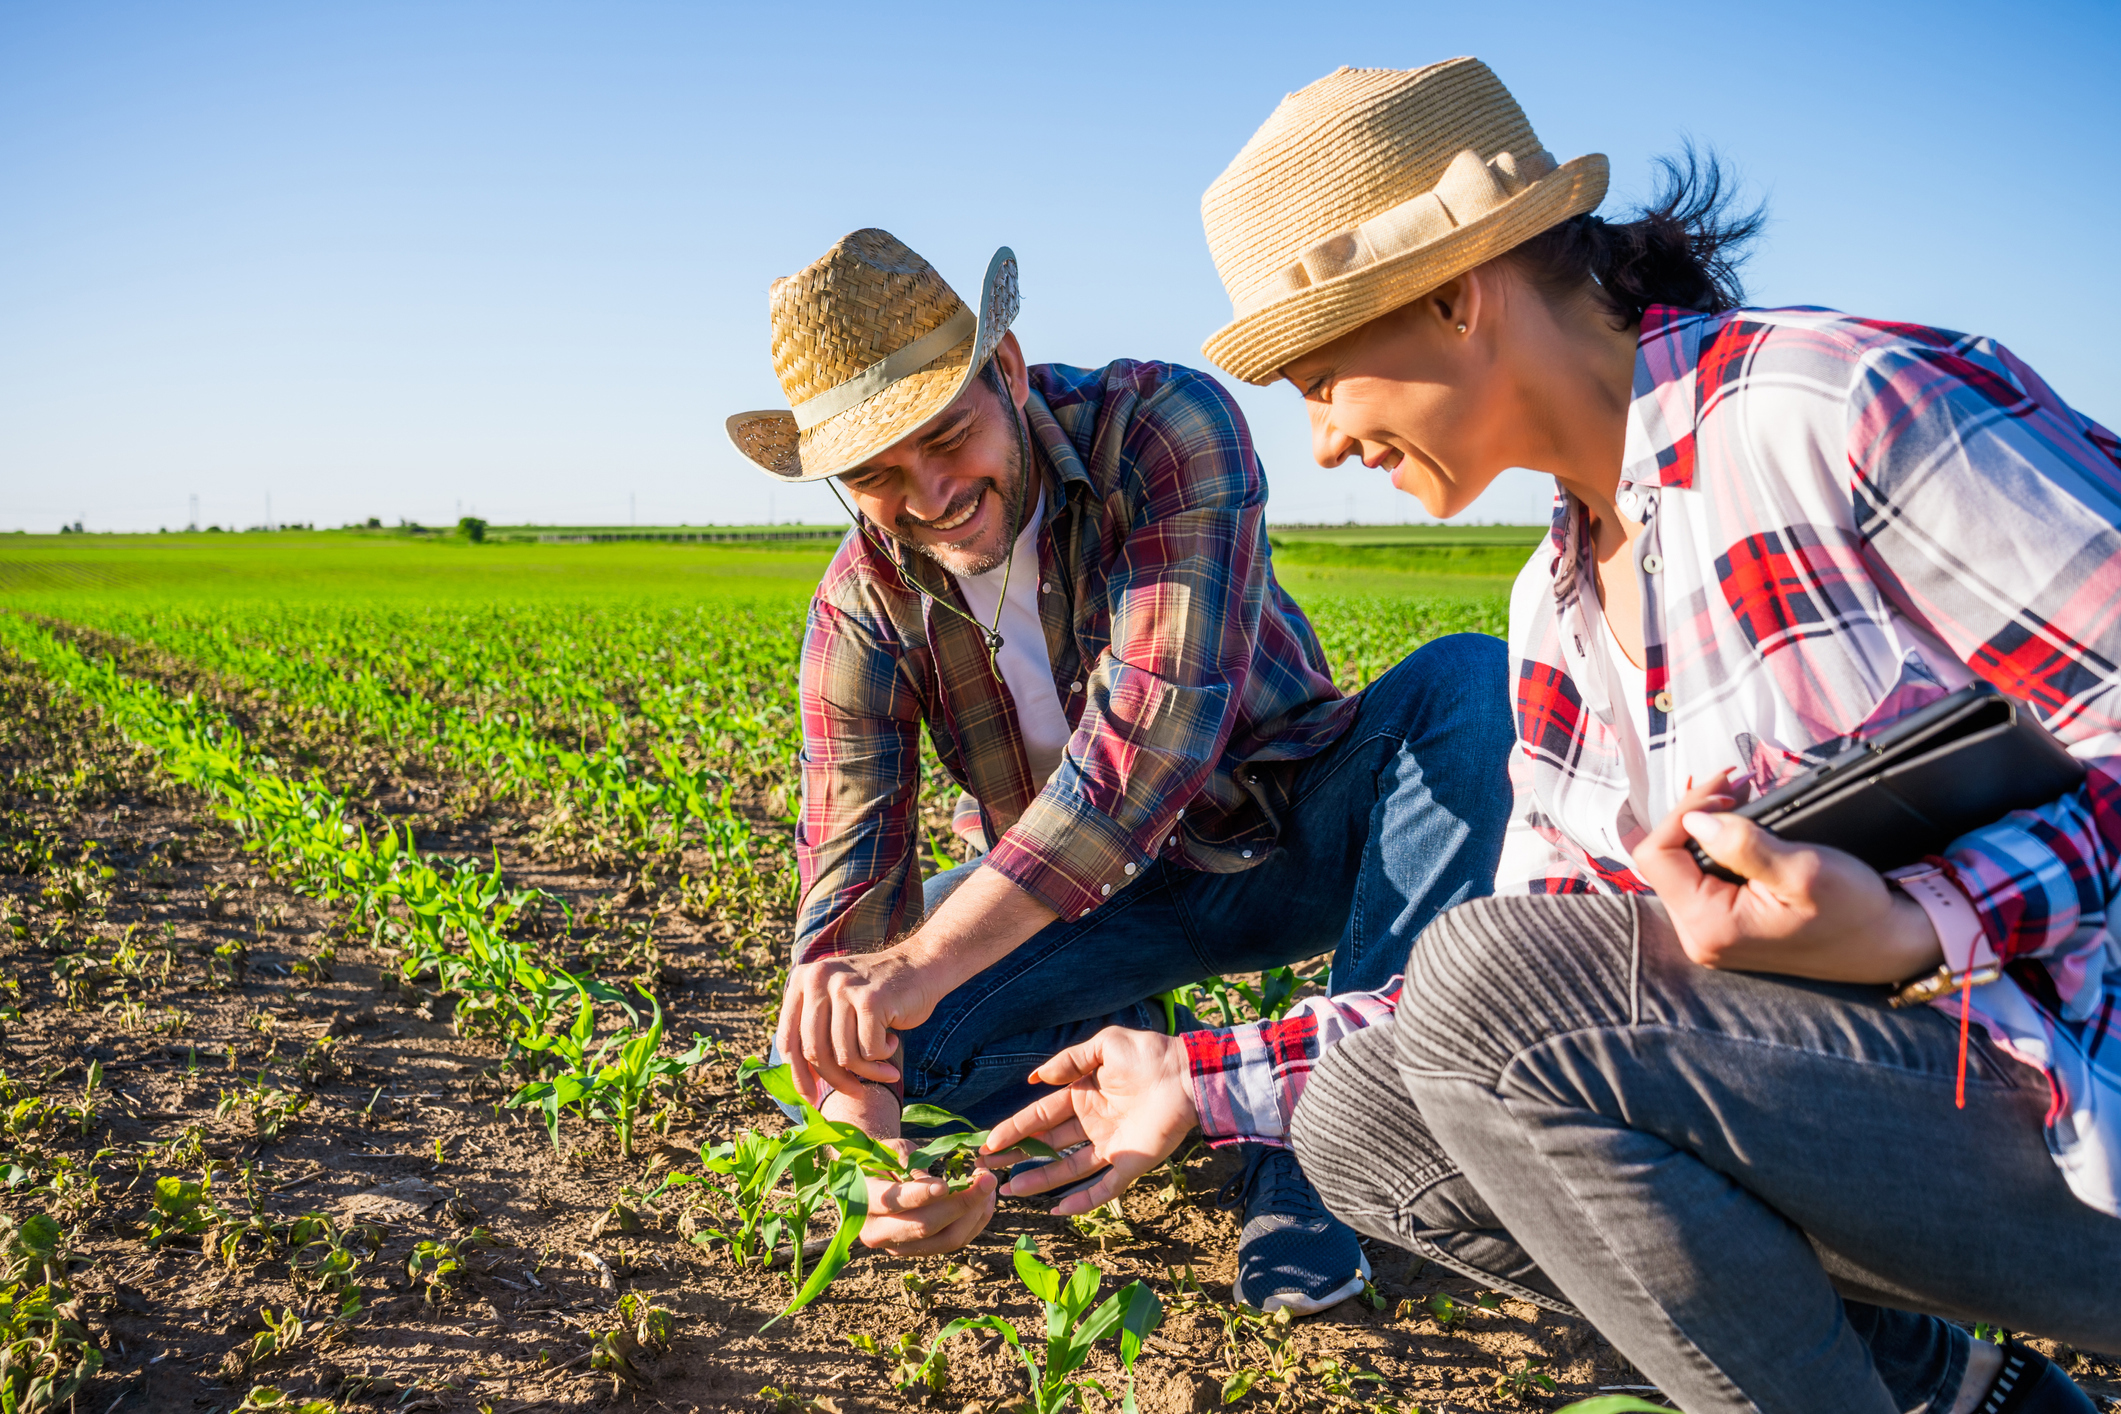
1758, 1188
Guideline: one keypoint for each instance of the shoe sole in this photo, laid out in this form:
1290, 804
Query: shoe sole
1301, 1304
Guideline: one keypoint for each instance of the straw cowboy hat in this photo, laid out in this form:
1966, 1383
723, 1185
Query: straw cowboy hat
869, 343
1367, 190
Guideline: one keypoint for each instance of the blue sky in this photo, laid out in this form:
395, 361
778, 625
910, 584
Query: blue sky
392, 259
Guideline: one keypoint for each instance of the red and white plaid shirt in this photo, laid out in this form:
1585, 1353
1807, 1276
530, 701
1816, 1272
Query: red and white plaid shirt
1844, 520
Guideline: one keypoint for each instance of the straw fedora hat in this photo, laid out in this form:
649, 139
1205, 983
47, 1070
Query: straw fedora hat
869, 343
1367, 190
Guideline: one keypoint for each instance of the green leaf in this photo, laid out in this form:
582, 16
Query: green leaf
1044, 1281
1082, 1288
850, 1191
1142, 1312
965, 1323
943, 1146
932, 1117
1239, 1385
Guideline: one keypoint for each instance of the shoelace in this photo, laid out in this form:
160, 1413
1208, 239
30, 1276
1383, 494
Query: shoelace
1254, 1183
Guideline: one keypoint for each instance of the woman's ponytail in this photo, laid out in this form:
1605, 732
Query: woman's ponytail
1683, 249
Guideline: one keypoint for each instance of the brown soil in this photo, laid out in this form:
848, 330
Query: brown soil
395, 1097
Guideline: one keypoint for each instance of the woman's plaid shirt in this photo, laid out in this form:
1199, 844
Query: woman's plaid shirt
1181, 664
1844, 520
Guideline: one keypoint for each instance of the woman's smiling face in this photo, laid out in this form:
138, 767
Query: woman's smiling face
1418, 393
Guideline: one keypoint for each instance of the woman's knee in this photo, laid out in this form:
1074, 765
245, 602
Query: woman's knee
1358, 1136
1494, 976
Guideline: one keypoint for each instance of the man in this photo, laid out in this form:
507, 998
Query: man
1064, 575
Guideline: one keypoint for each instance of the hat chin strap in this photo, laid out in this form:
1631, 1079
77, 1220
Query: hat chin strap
992, 633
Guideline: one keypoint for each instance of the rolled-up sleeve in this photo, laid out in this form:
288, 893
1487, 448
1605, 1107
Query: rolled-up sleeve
856, 835
1162, 699
1247, 1080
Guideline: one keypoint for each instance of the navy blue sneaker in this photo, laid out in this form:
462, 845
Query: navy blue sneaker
1292, 1252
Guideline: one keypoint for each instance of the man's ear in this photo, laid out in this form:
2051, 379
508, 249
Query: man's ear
1009, 357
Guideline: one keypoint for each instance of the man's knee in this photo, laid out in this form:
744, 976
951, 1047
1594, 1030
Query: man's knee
1494, 976
1458, 683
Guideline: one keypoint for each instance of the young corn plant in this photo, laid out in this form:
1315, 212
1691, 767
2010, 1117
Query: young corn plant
593, 1088
1073, 1326
46, 1351
913, 1369
824, 1160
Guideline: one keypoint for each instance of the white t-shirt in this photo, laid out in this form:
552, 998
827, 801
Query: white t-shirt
1628, 689
1027, 671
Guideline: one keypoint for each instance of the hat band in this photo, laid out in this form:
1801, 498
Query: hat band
1468, 190
887, 370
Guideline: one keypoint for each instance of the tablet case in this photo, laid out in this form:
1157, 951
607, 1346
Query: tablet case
1962, 762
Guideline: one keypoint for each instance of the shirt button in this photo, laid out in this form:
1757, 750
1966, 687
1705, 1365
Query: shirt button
1130, 869
1662, 702
1651, 564
1075, 687
1248, 854
1045, 589
1104, 888
1172, 840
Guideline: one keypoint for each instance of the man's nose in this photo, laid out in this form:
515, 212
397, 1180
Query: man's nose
926, 495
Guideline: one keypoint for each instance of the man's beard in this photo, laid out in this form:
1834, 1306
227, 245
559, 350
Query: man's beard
976, 563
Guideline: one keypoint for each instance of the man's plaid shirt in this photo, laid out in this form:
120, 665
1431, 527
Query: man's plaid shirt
1844, 521
1181, 664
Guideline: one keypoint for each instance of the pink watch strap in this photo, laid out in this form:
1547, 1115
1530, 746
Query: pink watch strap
1951, 913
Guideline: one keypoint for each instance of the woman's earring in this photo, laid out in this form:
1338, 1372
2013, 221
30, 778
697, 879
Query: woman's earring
1461, 326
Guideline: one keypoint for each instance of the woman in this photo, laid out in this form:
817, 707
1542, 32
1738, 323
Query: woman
1680, 1105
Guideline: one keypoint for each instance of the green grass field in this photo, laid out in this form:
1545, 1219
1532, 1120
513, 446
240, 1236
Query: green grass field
1472, 565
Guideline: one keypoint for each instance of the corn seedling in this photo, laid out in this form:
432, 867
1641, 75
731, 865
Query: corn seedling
265, 1399
434, 1268
1073, 1326
593, 1088
46, 1352
913, 1369
643, 1328
281, 1334
328, 1261
271, 1109
1524, 1381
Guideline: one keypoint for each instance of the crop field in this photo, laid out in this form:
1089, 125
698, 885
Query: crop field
387, 923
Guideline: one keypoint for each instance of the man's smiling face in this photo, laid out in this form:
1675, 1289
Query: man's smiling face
953, 489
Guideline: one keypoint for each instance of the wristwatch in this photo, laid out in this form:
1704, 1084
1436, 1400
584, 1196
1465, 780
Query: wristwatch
1959, 931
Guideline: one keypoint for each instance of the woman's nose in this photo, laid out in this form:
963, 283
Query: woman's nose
1329, 445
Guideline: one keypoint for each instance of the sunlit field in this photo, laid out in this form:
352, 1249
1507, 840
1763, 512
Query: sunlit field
394, 915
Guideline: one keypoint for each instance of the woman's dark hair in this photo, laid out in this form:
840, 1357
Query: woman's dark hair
1684, 248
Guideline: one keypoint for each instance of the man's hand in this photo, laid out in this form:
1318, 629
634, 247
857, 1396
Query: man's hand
917, 1216
838, 1014
1804, 910
920, 1217
1127, 1095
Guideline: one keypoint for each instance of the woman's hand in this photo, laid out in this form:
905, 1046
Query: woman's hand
1127, 1095
920, 1217
1804, 910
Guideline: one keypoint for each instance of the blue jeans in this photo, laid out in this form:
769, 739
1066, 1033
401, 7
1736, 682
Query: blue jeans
1399, 819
